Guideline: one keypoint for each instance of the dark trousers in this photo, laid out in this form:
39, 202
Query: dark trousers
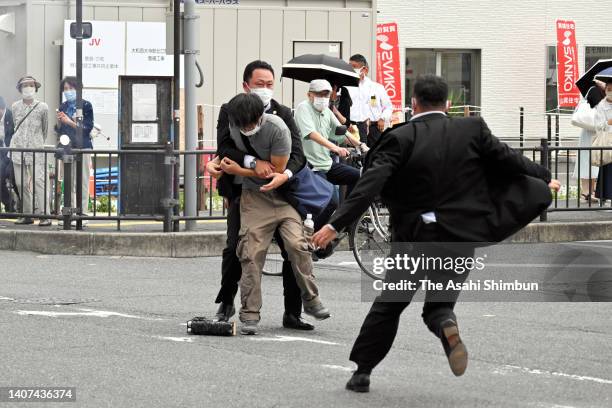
341, 175
380, 326
368, 134
5, 177
231, 270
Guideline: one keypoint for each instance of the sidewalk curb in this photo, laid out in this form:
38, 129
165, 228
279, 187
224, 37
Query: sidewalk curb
211, 243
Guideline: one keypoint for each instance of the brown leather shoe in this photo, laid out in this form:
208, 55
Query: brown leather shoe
455, 350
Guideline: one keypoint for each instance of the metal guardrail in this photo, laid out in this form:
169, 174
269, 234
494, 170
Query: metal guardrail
51, 166
105, 191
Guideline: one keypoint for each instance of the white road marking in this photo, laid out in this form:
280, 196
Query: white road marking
284, 339
337, 367
587, 245
348, 263
176, 339
487, 315
6, 298
546, 373
550, 265
82, 312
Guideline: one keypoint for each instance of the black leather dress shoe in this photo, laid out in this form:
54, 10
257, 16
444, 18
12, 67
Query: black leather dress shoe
291, 321
359, 383
455, 350
225, 312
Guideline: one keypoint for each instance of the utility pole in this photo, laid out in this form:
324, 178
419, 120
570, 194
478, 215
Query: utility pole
191, 133
79, 113
177, 103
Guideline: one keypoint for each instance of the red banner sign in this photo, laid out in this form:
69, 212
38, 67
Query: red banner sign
567, 64
388, 63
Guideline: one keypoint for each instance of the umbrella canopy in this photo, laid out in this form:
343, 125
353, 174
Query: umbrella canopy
309, 67
605, 76
586, 81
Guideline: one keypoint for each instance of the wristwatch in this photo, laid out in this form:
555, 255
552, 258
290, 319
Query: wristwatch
252, 164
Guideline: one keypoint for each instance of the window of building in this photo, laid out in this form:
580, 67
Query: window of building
551, 78
593, 54
460, 68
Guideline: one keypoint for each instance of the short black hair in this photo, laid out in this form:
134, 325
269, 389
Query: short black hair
430, 91
245, 109
360, 59
2, 105
252, 66
70, 80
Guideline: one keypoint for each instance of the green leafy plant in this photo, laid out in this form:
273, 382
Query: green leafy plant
103, 205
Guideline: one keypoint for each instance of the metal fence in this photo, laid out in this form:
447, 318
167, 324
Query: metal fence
47, 184
55, 197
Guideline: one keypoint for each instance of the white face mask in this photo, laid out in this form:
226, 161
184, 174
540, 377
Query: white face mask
254, 130
265, 94
320, 103
28, 92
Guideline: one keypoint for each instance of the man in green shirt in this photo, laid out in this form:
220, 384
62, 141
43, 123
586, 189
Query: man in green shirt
318, 125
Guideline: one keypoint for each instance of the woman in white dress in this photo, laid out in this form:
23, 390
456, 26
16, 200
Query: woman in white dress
596, 119
587, 173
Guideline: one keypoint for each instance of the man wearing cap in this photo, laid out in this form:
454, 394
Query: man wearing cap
372, 109
31, 118
318, 124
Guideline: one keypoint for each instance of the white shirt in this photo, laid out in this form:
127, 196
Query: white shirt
593, 119
370, 101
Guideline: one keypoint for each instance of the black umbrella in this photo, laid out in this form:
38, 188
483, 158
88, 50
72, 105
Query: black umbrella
309, 67
586, 81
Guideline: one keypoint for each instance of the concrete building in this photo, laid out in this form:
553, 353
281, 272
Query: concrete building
230, 37
497, 54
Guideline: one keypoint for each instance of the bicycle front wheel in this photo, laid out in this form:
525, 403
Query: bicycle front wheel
367, 243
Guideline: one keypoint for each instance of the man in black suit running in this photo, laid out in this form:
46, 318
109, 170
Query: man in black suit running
432, 174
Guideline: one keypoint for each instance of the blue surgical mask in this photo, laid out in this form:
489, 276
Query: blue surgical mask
70, 95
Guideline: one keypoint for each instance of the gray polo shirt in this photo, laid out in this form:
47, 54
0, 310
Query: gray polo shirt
273, 139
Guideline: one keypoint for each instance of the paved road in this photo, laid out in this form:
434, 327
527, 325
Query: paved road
126, 346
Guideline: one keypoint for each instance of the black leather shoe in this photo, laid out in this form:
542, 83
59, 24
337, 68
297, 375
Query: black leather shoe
295, 322
359, 383
455, 350
225, 312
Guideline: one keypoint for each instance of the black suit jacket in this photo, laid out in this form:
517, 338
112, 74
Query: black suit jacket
226, 147
440, 164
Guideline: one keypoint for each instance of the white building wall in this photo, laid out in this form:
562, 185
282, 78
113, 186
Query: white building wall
512, 37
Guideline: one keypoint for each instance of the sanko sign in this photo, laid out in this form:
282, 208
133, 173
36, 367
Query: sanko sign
388, 62
567, 64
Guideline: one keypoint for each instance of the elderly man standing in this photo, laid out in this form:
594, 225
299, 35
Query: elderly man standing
31, 118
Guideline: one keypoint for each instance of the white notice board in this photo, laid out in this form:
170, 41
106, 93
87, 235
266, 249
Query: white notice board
103, 54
